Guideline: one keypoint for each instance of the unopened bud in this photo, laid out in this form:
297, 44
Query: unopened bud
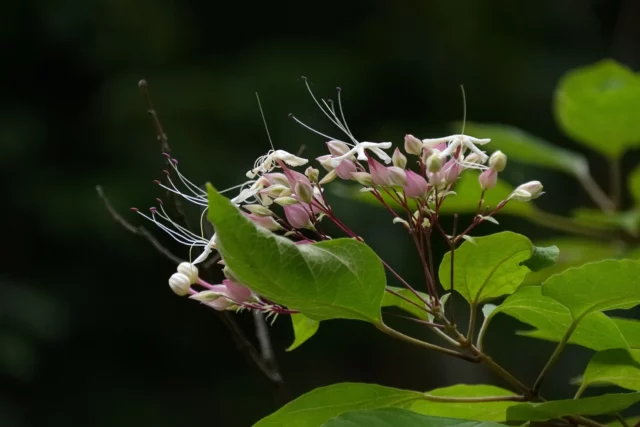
345, 169
274, 190
498, 161
398, 220
397, 176
434, 162
399, 159
526, 192
412, 145
337, 148
258, 210
325, 162
330, 176
363, 178
416, 185
297, 216
488, 179
277, 178
180, 284
473, 158
265, 222
285, 201
189, 270
304, 191
312, 174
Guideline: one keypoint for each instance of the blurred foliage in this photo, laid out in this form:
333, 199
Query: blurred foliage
91, 335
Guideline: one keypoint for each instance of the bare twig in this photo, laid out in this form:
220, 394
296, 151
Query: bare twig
139, 231
268, 358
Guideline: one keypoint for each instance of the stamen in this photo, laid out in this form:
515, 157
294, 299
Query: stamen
312, 129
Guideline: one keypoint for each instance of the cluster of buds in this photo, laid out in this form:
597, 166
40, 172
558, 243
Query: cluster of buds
281, 199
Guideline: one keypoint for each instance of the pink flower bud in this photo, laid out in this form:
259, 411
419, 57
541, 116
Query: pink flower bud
399, 159
264, 221
412, 145
297, 216
379, 173
294, 177
345, 168
397, 176
238, 293
337, 148
416, 185
451, 171
488, 179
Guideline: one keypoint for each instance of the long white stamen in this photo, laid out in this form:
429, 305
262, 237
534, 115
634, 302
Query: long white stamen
186, 231
196, 190
312, 129
342, 110
264, 120
306, 82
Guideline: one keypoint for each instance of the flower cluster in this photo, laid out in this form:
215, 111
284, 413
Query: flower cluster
412, 184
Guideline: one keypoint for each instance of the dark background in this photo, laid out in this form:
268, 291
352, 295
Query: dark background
90, 334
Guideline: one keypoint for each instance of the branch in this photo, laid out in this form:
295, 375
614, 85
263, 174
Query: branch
138, 231
554, 357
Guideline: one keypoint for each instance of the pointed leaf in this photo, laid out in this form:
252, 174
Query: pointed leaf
598, 106
490, 268
485, 411
618, 367
604, 404
551, 320
340, 278
394, 417
318, 406
390, 300
630, 330
599, 286
303, 329
529, 149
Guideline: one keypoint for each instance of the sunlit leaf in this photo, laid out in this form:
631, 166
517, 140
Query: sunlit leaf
391, 417
604, 404
340, 278
490, 268
303, 329
551, 320
598, 106
598, 286
486, 411
316, 407
618, 367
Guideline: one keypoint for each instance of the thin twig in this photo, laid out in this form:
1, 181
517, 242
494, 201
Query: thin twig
615, 181
139, 231
595, 192
270, 368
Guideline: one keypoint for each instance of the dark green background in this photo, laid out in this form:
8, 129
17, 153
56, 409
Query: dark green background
90, 334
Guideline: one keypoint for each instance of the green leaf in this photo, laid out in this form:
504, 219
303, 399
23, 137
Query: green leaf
303, 329
542, 258
618, 367
324, 403
529, 149
390, 300
599, 286
340, 278
573, 253
314, 408
630, 330
629, 422
634, 184
485, 411
605, 404
465, 201
551, 320
598, 106
490, 268
394, 417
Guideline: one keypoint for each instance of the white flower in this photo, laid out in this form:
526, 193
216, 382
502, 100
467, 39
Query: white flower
268, 162
358, 151
465, 142
527, 191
